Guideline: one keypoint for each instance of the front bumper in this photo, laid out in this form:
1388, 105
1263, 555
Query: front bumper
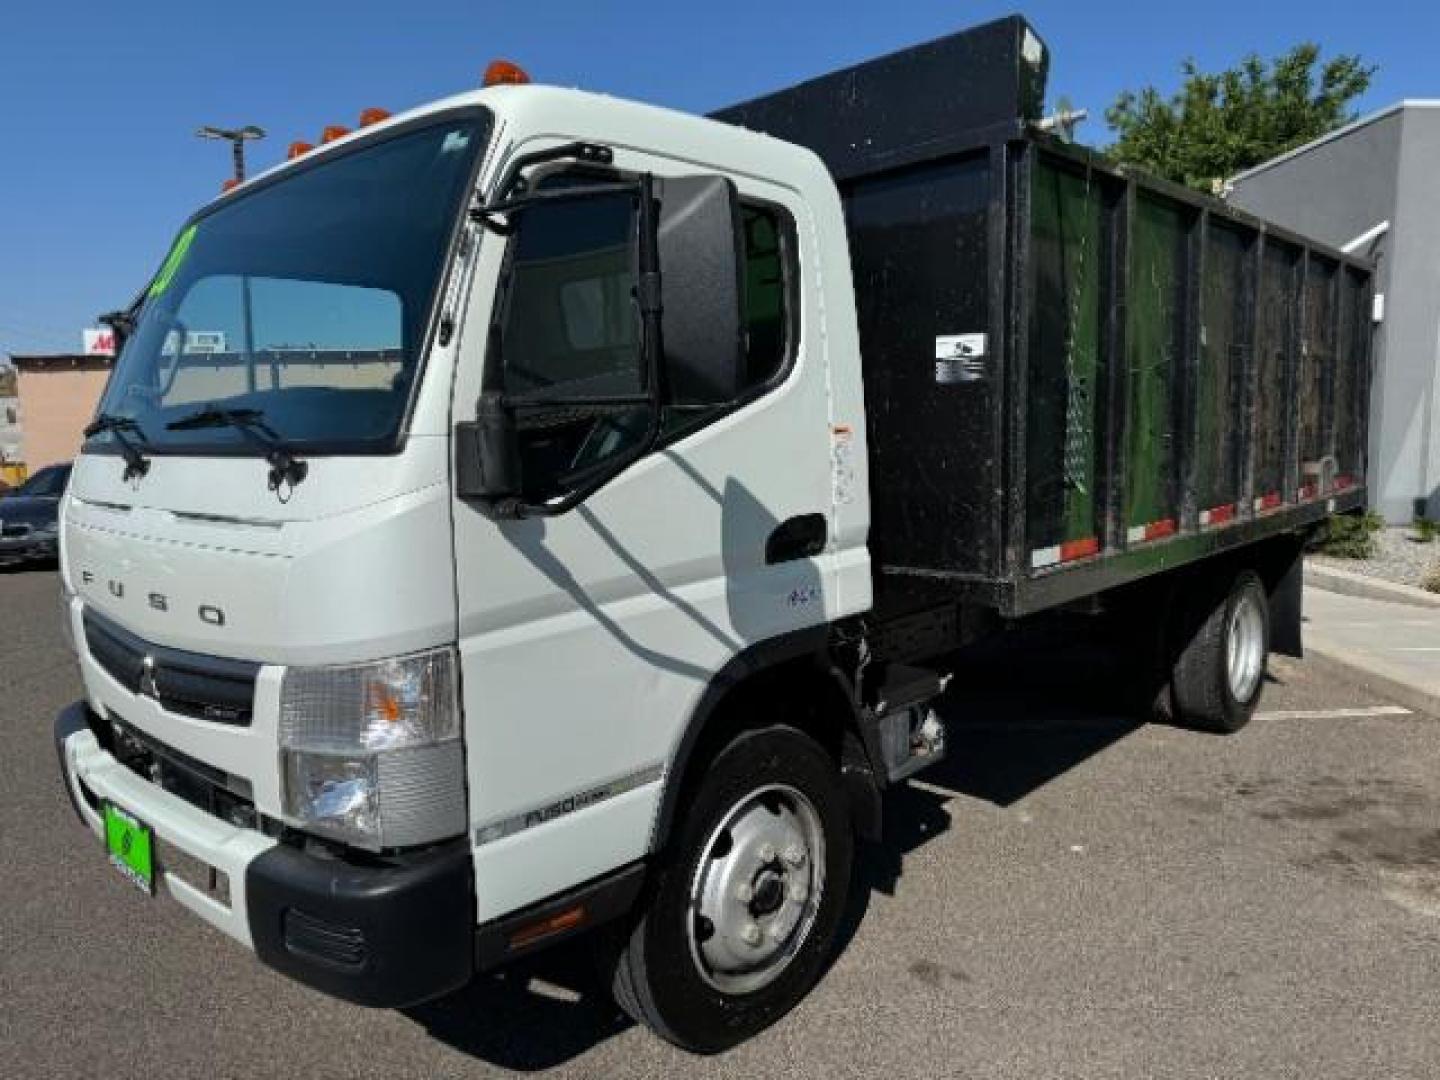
385, 934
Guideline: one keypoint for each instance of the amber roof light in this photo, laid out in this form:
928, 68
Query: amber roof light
505, 73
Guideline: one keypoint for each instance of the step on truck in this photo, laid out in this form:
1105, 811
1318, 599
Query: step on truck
539, 512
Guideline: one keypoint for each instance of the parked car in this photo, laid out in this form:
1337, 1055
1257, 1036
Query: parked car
29, 517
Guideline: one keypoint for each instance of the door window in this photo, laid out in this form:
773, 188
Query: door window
571, 331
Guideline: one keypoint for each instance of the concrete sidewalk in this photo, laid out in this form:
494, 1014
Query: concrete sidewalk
1394, 648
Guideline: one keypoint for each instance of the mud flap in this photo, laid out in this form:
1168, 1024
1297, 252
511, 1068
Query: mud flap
1287, 588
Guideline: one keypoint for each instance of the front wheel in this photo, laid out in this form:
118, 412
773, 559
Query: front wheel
743, 914
1220, 671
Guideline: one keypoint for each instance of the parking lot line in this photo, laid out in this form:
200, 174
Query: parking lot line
1334, 714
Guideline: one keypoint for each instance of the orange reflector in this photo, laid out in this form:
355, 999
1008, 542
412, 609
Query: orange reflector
333, 132
505, 73
229, 185
555, 924
298, 148
373, 116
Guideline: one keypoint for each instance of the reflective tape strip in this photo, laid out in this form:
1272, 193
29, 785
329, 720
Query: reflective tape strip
1309, 491
1217, 515
1045, 557
1069, 551
1155, 530
1269, 501
1344, 483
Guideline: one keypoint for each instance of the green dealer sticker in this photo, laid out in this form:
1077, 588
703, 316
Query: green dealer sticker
173, 261
132, 847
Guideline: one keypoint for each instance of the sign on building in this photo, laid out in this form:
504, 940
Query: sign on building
99, 341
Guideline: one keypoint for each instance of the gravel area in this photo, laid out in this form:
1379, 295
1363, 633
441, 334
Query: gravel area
1400, 557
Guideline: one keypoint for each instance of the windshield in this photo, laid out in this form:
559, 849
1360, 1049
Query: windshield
307, 298
45, 484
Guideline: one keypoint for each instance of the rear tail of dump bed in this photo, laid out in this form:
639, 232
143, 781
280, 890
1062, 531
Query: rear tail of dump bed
1076, 375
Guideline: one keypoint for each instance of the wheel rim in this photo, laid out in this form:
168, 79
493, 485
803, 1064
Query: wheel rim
1245, 647
757, 889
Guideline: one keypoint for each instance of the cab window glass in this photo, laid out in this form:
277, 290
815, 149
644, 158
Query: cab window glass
766, 314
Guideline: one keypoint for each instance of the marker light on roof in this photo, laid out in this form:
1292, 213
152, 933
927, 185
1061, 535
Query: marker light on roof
373, 116
505, 73
298, 148
333, 132
229, 185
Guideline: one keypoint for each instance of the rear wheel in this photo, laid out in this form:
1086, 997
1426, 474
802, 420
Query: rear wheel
1220, 671
743, 914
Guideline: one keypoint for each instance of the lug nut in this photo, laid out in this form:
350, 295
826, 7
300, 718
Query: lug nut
798, 892
795, 855
744, 893
767, 852
750, 934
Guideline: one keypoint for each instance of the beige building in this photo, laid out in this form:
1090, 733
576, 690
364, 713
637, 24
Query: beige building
57, 397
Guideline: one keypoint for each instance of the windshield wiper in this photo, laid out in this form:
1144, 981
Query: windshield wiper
136, 463
285, 468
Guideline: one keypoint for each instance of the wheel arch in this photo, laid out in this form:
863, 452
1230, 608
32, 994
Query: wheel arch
797, 668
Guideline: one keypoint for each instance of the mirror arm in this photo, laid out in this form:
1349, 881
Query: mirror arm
491, 215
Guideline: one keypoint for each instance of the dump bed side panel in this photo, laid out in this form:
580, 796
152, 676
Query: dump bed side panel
1238, 363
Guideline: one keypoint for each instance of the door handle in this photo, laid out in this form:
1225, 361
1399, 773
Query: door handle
800, 537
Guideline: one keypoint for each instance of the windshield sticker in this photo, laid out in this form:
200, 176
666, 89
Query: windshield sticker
455, 141
172, 262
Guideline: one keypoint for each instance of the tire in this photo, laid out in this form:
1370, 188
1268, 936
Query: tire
766, 788
1219, 673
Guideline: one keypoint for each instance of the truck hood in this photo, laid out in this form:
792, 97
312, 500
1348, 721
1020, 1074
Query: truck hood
356, 564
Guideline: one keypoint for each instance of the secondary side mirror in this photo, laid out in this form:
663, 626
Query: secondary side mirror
702, 291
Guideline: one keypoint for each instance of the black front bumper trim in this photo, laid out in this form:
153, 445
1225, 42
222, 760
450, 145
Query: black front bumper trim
387, 936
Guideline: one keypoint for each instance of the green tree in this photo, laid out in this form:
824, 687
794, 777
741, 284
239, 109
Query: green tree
1220, 124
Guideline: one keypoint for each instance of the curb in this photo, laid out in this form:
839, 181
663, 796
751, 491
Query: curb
1397, 690
1350, 583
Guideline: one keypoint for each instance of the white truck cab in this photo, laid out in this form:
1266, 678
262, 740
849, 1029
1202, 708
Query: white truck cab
383, 712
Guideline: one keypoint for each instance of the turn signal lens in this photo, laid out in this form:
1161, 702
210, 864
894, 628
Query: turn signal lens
505, 73
373, 116
298, 148
333, 132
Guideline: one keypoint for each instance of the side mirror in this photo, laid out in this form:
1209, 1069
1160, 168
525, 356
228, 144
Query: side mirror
702, 290
487, 456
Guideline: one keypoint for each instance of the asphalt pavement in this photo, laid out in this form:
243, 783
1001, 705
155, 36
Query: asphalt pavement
1068, 895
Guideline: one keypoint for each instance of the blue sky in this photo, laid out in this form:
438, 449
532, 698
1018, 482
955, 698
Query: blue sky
99, 101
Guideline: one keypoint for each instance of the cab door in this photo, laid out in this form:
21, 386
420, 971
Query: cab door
587, 638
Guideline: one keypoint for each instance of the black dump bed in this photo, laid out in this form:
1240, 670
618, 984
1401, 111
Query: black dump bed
1075, 375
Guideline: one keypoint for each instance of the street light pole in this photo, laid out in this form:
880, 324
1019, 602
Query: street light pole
237, 137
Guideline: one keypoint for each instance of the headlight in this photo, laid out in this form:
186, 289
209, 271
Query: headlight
370, 753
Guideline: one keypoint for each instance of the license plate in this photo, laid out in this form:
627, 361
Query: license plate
131, 844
